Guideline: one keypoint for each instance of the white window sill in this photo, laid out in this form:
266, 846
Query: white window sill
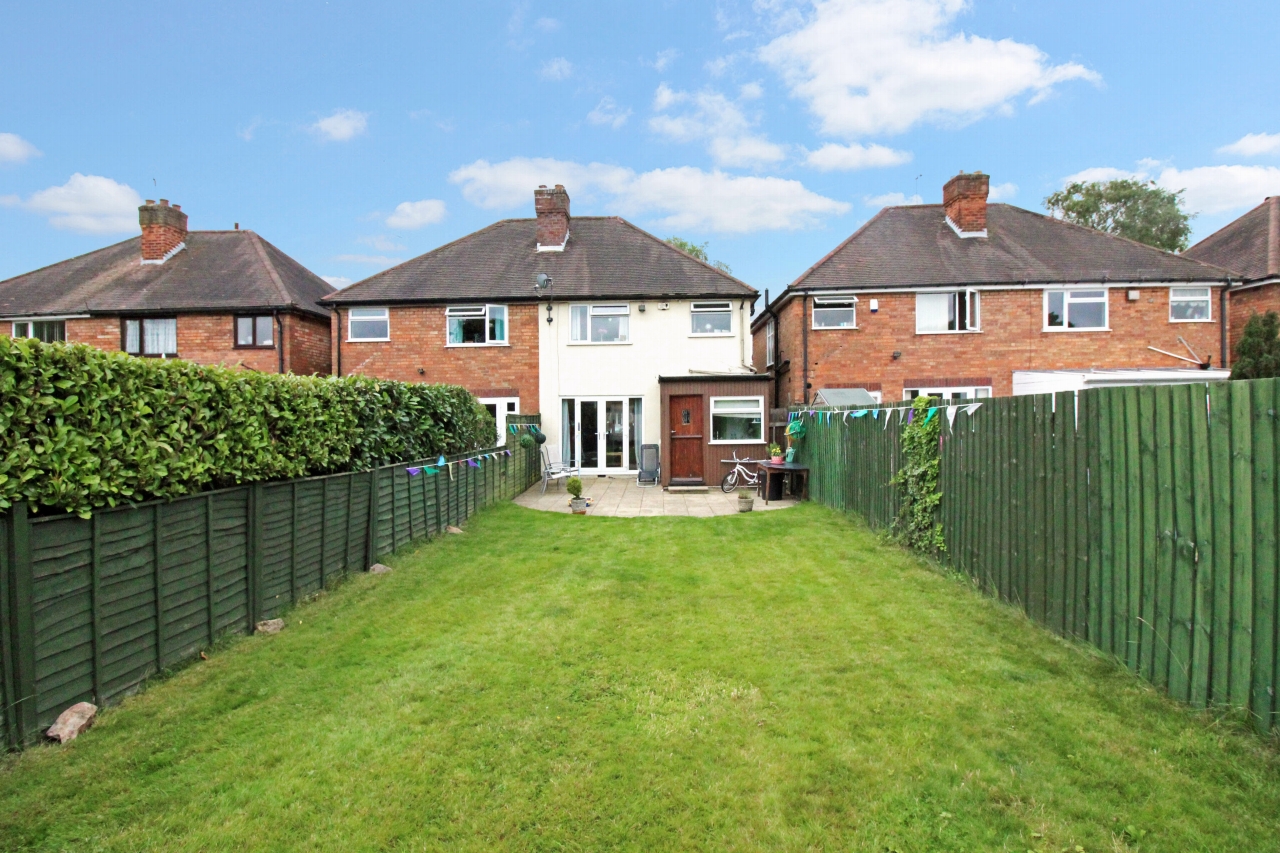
952, 332
1061, 329
711, 335
737, 441
1205, 320
834, 328
465, 346
366, 340
599, 343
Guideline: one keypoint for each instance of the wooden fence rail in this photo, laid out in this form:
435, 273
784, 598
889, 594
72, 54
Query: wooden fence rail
1141, 520
89, 608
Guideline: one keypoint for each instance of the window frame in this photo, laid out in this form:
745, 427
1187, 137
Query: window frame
973, 311
760, 409
1067, 301
235, 331
31, 330
486, 309
1208, 301
722, 306
599, 309
386, 315
142, 336
832, 303
973, 391
770, 343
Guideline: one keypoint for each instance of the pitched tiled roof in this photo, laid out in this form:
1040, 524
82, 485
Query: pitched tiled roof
218, 270
1250, 246
913, 246
606, 257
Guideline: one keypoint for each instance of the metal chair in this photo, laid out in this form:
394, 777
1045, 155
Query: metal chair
556, 470
650, 473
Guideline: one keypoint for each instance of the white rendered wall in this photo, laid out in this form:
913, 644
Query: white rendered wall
660, 345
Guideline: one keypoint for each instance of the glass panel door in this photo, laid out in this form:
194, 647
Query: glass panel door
613, 437
588, 419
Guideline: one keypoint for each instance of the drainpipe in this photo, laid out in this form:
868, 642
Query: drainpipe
1222, 323
771, 319
338, 312
279, 341
804, 331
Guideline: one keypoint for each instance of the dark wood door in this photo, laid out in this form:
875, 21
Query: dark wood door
686, 438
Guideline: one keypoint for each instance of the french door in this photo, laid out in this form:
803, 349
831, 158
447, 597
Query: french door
602, 435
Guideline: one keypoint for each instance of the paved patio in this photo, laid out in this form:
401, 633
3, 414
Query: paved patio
621, 497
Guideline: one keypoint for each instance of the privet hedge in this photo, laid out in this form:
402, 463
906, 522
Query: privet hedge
81, 428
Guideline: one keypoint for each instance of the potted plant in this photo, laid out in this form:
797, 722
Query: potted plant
577, 503
746, 500
775, 452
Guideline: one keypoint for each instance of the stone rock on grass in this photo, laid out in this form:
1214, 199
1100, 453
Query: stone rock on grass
453, 529
379, 569
73, 722
269, 626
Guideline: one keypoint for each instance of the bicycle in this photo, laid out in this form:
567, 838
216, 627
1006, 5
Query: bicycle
740, 472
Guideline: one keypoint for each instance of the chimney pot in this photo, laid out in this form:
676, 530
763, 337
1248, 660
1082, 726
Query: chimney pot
164, 202
552, 208
964, 198
164, 228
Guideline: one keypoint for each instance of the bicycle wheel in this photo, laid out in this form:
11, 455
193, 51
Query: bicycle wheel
730, 481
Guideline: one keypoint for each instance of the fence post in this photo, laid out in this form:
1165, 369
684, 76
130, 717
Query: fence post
22, 640
208, 562
253, 562
371, 537
159, 585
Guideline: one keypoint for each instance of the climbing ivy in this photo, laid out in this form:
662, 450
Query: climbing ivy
917, 525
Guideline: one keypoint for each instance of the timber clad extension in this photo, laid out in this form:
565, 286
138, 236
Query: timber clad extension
924, 296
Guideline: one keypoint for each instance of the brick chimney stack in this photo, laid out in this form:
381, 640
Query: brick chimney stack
965, 200
552, 207
164, 229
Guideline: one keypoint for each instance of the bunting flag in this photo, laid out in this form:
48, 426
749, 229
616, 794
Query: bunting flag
441, 461
902, 414
875, 413
951, 416
450, 469
413, 472
887, 418
473, 463
932, 411
860, 413
508, 452
431, 470
512, 428
911, 413
971, 408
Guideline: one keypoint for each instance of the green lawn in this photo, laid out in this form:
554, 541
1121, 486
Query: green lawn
778, 681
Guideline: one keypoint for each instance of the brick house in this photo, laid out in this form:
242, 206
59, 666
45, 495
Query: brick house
969, 299
585, 320
214, 297
1249, 247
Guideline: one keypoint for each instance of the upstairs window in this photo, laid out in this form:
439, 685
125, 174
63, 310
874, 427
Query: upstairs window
599, 324
255, 331
834, 313
49, 331
368, 324
770, 344
155, 337
1075, 309
477, 325
1189, 305
712, 318
956, 311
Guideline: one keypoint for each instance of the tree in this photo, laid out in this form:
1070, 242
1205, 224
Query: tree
699, 252
1138, 210
1258, 352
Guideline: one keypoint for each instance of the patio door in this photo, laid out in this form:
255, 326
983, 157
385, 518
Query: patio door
602, 434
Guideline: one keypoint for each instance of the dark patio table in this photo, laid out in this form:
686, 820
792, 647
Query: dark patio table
783, 469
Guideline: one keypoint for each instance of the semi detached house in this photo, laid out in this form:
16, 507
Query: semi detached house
969, 299
616, 338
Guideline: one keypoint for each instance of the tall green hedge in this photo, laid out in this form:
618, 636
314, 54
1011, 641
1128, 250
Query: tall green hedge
81, 428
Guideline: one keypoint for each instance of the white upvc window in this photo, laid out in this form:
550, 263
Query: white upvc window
368, 324
1075, 310
951, 311
1190, 305
151, 336
711, 318
832, 312
49, 331
737, 420
477, 325
948, 394
599, 324
770, 343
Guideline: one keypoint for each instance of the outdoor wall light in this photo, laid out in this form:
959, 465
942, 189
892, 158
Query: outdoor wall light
897, 354
640, 307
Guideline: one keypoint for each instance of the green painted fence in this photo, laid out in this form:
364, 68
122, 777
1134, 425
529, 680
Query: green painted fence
89, 608
1141, 520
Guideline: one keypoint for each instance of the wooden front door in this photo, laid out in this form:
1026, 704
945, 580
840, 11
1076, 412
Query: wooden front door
686, 439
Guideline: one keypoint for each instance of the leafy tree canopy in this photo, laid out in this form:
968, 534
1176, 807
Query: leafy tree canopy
1138, 210
1258, 352
699, 251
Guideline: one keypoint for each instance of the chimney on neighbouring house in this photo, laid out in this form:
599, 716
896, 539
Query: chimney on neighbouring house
552, 207
965, 199
164, 229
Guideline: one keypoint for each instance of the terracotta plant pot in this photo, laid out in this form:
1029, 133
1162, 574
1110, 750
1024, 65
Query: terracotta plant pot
578, 506
775, 459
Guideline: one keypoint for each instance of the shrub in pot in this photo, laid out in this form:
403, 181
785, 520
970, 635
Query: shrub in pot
775, 452
577, 502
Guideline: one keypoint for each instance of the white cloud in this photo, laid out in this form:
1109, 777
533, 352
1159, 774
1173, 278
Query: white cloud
1002, 192
338, 281
892, 200
882, 66
831, 157
607, 112
90, 204
381, 242
416, 214
372, 260
556, 69
712, 118
751, 91
15, 149
342, 125
677, 198
664, 59
1249, 145
546, 25
1209, 189
9, 201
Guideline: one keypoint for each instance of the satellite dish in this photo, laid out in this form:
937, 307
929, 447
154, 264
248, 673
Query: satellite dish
541, 282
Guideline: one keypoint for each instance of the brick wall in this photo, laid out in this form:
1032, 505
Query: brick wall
417, 353
1012, 339
1245, 303
100, 332
306, 341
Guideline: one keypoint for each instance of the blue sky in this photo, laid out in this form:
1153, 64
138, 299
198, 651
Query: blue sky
354, 135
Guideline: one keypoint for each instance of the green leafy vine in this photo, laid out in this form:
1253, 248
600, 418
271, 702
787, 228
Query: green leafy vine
917, 525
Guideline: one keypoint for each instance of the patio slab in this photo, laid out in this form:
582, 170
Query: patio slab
620, 497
